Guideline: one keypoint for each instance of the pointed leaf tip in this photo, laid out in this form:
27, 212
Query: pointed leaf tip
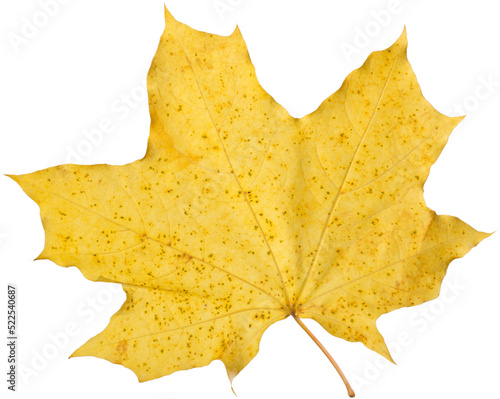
402, 41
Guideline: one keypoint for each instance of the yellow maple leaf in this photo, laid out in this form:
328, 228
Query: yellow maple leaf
240, 215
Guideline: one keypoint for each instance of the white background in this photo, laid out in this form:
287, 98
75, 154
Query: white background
76, 69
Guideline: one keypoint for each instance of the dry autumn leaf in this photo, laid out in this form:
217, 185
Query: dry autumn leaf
240, 215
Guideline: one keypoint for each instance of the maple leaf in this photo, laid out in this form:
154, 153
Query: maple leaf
240, 215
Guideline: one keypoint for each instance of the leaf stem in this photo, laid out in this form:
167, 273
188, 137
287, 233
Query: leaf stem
333, 362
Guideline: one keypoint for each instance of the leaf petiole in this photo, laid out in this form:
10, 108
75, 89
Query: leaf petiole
332, 361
